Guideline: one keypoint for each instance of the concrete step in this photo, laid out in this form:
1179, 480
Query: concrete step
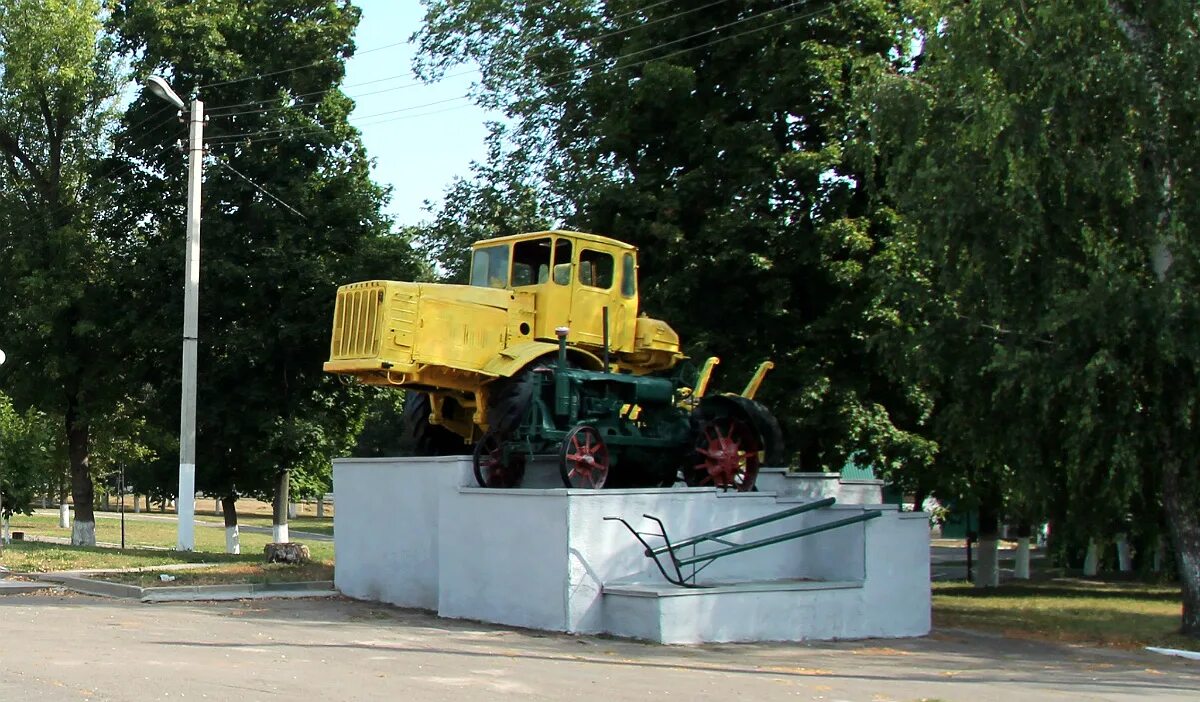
765, 610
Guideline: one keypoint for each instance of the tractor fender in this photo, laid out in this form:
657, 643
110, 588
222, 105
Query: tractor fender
759, 417
512, 359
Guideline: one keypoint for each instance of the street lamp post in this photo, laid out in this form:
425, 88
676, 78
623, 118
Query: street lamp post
185, 504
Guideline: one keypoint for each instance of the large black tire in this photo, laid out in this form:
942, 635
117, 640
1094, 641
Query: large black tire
423, 438
510, 400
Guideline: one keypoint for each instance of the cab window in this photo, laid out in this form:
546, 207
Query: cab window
531, 262
628, 276
562, 262
489, 267
595, 269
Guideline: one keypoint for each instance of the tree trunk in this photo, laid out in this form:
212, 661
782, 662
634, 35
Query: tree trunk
64, 515
137, 503
1183, 519
279, 521
321, 507
1124, 554
1091, 562
987, 573
1021, 568
83, 533
2, 540
233, 542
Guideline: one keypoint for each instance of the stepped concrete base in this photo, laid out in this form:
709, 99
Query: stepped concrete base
759, 611
417, 533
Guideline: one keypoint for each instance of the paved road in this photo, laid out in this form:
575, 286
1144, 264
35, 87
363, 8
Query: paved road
82, 648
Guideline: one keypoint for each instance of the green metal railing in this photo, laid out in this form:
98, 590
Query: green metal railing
705, 559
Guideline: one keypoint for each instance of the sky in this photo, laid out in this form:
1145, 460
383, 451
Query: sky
420, 136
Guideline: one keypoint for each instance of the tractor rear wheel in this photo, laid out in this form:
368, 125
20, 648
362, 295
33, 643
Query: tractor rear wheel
727, 455
423, 438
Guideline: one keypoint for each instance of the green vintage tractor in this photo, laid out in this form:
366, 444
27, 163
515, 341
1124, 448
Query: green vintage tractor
545, 354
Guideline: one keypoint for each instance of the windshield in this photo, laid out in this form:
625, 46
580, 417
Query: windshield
489, 267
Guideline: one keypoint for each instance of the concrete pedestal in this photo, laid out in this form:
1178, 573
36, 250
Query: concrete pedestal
417, 533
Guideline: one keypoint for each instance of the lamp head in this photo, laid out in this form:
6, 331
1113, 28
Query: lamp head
159, 87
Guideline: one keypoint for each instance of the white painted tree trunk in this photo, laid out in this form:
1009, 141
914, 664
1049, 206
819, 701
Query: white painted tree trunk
83, 533
233, 542
5, 534
64, 516
137, 503
218, 509
321, 508
1124, 554
107, 502
1160, 554
1091, 562
1021, 568
279, 533
293, 509
987, 572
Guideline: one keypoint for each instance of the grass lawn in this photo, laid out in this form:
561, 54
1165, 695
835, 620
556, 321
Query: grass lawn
1120, 614
142, 533
33, 557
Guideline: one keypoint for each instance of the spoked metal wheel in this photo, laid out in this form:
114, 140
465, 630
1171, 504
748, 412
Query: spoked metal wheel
584, 459
727, 455
492, 468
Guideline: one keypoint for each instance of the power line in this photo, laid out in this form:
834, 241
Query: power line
218, 110
602, 62
321, 130
220, 161
300, 68
356, 54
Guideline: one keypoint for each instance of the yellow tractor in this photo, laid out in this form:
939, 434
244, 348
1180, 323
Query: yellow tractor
545, 351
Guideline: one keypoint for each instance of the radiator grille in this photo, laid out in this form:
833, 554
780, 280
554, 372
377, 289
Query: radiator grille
356, 321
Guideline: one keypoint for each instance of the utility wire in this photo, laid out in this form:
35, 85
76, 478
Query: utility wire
318, 129
218, 110
356, 54
221, 161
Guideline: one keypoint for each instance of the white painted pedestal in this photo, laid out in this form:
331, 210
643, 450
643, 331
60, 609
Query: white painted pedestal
414, 532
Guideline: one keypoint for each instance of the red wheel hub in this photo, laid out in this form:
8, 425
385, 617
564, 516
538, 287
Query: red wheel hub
728, 455
586, 458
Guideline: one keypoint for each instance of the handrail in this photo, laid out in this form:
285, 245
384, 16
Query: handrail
671, 548
741, 526
865, 516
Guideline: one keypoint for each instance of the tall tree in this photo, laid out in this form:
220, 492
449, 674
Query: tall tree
723, 139
56, 88
1044, 149
290, 213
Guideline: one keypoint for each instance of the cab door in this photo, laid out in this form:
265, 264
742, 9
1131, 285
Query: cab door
594, 289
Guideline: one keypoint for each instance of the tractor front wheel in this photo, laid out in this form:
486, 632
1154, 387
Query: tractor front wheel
726, 453
423, 438
584, 460
492, 468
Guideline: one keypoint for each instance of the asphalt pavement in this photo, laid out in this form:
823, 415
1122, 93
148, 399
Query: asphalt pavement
85, 648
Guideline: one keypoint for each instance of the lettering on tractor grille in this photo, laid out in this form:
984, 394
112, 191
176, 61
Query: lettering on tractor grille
356, 322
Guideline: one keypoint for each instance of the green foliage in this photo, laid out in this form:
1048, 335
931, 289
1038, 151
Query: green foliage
268, 275
58, 80
724, 140
30, 452
1043, 150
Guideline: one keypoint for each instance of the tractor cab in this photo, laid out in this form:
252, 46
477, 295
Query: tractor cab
572, 277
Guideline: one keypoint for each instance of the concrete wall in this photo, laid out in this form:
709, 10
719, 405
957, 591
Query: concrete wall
385, 533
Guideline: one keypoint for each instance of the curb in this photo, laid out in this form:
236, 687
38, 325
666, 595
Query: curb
195, 593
